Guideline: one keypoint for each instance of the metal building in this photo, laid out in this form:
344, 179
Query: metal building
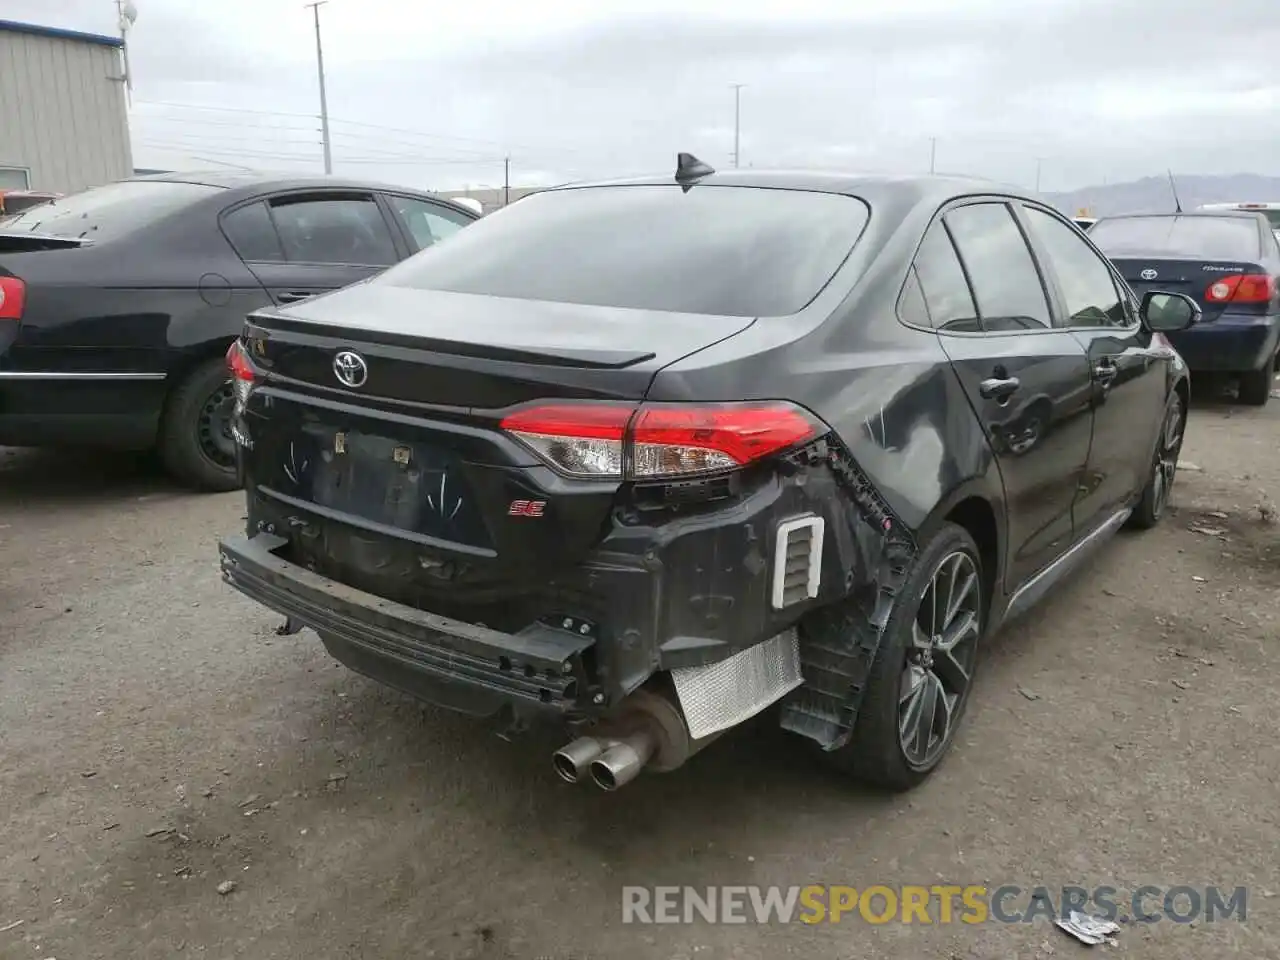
64, 125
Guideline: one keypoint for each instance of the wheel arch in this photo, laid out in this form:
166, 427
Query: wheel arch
182, 366
977, 505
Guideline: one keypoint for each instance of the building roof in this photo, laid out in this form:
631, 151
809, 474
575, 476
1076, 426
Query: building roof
57, 33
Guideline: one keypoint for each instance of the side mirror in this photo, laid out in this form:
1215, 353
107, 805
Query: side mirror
1168, 312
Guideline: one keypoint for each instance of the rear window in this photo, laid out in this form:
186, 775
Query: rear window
731, 251
1213, 238
108, 211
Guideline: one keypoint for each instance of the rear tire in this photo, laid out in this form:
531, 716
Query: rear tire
1255, 386
195, 443
911, 669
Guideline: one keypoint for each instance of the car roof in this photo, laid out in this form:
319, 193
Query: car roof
869, 186
248, 183
1211, 214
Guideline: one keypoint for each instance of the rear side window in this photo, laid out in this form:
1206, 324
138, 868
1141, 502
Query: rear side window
945, 291
252, 233
1005, 281
109, 211
730, 251
1210, 238
1086, 281
347, 230
427, 222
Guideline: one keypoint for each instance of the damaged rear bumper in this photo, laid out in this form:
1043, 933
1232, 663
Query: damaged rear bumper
459, 665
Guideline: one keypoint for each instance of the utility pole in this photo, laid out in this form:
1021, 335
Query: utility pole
126, 14
506, 180
933, 153
737, 121
1039, 161
324, 103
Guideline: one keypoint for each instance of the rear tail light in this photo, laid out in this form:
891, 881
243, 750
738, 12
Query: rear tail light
612, 440
241, 370
13, 297
1242, 288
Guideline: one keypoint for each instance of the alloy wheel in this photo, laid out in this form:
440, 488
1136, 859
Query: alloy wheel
940, 659
213, 427
1167, 451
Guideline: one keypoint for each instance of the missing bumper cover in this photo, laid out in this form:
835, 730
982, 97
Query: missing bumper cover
720, 695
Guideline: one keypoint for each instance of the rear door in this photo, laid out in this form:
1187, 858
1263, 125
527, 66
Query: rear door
300, 245
1027, 382
1128, 377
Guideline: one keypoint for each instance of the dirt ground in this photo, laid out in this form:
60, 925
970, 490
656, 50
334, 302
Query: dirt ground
157, 740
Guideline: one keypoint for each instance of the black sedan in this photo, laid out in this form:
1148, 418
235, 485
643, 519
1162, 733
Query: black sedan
117, 304
649, 457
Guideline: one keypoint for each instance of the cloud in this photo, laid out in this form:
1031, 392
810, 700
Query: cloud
439, 94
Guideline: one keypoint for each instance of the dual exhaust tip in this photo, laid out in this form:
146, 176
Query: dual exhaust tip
609, 762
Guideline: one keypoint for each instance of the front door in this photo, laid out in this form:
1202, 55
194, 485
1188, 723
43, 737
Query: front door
1027, 383
1128, 380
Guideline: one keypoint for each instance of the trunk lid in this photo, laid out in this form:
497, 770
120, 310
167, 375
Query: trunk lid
405, 485
468, 351
1191, 276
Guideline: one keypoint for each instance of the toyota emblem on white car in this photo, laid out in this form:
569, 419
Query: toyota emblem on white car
350, 369
1148, 274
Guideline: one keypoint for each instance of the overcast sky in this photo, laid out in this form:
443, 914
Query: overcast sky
435, 94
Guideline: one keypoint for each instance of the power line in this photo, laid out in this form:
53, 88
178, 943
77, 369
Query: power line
188, 148
201, 106
272, 137
244, 123
427, 162
231, 141
358, 123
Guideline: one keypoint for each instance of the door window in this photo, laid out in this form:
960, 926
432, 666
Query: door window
348, 230
427, 222
1087, 284
944, 291
252, 234
1005, 281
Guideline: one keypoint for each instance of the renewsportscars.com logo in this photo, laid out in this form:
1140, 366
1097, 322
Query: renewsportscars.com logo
932, 904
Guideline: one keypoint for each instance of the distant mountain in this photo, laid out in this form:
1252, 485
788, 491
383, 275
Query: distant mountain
1152, 194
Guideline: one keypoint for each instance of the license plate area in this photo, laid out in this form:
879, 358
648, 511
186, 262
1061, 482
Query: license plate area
411, 485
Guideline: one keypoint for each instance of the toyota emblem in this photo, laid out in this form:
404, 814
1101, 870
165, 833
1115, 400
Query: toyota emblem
1148, 274
350, 369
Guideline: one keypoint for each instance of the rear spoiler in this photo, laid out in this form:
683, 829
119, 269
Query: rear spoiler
25, 242
263, 324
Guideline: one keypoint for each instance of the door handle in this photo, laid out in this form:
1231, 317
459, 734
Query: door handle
999, 388
293, 296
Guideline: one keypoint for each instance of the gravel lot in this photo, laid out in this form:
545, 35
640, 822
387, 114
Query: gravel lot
157, 740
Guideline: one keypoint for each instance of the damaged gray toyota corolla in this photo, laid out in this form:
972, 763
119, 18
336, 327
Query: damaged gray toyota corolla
649, 458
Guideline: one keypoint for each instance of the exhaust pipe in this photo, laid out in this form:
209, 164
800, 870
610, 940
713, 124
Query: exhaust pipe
647, 732
572, 761
623, 761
